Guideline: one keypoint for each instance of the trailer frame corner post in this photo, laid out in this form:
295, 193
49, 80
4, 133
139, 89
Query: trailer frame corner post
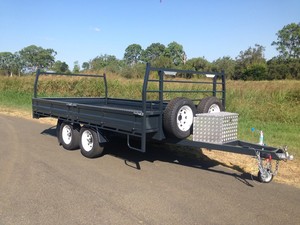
144, 109
161, 102
106, 88
215, 86
223, 90
161, 89
38, 72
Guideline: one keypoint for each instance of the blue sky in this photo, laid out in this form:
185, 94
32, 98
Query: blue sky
82, 30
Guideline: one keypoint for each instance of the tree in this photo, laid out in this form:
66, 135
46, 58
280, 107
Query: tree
18, 64
35, 57
249, 64
280, 68
176, 53
60, 67
153, 52
288, 41
6, 62
76, 68
108, 63
256, 72
103, 61
226, 64
162, 61
132, 54
11, 63
85, 66
134, 71
198, 64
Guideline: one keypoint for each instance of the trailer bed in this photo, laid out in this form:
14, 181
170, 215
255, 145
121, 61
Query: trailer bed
108, 113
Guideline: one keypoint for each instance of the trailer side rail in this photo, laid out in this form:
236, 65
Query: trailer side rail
39, 73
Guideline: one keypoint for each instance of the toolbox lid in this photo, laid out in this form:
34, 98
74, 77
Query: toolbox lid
216, 114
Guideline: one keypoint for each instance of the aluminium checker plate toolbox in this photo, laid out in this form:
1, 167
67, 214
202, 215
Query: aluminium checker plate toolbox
219, 127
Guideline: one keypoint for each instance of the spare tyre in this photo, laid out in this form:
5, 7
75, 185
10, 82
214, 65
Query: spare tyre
209, 105
178, 117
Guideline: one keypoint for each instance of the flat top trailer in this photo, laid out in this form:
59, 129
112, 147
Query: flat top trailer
88, 123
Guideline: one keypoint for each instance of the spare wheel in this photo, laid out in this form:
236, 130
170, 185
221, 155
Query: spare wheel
178, 117
209, 105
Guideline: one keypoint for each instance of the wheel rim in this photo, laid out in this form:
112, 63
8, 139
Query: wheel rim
87, 140
214, 108
67, 134
185, 118
266, 176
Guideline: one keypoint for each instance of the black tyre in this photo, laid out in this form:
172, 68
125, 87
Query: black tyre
68, 135
209, 105
89, 143
266, 177
178, 117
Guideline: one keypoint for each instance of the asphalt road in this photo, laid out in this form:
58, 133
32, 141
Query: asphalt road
41, 183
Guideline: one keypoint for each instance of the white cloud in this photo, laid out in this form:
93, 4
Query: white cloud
96, 29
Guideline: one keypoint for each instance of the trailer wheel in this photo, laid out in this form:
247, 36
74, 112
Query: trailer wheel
266, 177
68, 136
178, 117
209, 105
89, 143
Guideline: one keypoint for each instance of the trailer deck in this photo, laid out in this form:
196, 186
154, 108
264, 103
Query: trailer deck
106, 113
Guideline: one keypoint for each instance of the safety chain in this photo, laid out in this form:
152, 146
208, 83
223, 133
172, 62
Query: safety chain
268, 166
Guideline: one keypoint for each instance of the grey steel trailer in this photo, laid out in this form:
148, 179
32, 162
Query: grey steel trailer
89, 123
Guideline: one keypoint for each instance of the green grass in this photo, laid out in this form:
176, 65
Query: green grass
18, 100
271, 106
275, 133
265, 101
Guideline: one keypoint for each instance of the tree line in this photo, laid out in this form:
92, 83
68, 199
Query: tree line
250, 64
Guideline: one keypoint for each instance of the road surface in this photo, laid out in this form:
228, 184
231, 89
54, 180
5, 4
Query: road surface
40, 183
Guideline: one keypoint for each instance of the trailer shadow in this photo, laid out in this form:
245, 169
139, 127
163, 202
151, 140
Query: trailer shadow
183, 156
179, 155
51, 131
